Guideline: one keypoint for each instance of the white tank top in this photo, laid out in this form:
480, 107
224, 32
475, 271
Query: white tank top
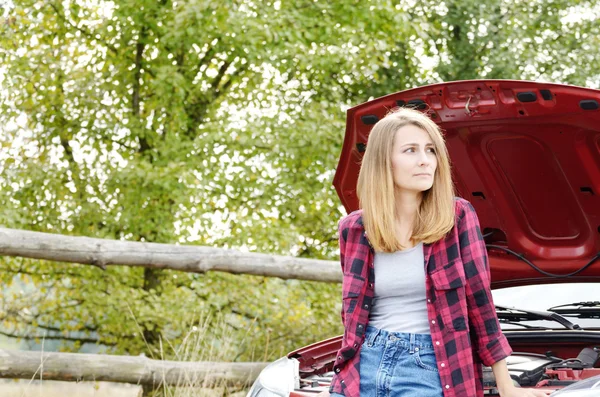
400, 304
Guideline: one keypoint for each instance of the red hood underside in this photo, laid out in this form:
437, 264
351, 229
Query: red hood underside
525, 154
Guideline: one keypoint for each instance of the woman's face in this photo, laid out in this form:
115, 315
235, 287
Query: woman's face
413, 159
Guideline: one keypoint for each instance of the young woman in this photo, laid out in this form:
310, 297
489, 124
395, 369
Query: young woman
417, 308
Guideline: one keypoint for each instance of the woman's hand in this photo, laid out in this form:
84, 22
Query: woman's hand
519, 392
507, 388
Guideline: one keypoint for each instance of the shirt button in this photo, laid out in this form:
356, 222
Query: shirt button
429, 300
447, 386
355, 345
443, 365
370, 285
366, 306
339, 357
437, 343
337, 370
432, 321
360, 326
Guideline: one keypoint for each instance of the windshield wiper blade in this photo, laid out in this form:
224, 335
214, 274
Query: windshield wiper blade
515, 314
585, 304
590, 309
517, 323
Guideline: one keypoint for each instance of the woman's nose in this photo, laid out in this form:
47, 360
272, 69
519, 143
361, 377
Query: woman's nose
423, 159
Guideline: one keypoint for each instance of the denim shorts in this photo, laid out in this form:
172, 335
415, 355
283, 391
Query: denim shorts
397, 364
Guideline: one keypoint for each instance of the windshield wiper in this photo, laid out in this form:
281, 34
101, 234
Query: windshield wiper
514, 314
516, 323
590, 309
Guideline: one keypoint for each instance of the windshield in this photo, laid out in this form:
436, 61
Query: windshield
544, 297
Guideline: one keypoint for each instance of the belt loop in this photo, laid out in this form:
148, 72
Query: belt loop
412, 343
373, 336
368, 337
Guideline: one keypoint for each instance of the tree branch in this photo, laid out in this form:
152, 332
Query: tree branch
210, 53
53, 337
81, 30
233, 77
91, 36
220, 74
198, 109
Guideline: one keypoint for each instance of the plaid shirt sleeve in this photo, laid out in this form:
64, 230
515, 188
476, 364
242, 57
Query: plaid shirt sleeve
490, 343
342, 237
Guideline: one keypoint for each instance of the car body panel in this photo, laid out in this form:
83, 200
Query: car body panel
525, 154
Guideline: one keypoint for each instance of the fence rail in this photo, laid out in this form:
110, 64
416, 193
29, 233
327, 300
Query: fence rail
185, 258
137, 370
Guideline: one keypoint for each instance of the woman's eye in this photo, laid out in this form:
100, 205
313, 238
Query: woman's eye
413, 150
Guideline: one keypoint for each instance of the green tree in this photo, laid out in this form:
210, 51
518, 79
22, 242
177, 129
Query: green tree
200, 122
220, 123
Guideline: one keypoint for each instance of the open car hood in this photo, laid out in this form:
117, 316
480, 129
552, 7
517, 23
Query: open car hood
525, 154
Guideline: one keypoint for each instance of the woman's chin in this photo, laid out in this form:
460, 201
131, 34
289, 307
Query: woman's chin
418, 187
423, 187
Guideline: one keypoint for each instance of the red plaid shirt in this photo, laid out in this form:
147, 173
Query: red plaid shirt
462, 319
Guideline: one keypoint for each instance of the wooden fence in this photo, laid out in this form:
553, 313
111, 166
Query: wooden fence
141, 370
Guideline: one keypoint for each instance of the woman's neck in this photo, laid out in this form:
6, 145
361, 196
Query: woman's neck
407, 206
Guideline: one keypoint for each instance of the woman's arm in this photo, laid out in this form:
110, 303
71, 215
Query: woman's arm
506, 386
491, 344
503, 379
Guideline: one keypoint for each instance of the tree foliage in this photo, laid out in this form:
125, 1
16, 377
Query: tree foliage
220, 123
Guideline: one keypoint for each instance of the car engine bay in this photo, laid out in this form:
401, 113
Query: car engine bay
542, 371
546, 370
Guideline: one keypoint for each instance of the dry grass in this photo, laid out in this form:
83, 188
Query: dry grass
196, 346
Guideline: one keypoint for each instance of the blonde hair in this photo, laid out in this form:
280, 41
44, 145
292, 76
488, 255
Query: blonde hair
375, 188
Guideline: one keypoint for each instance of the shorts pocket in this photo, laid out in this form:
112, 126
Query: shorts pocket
425, 359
